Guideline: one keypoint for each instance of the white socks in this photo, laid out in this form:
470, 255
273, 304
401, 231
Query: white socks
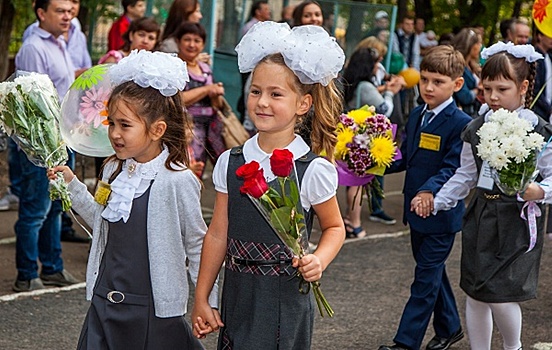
479, 321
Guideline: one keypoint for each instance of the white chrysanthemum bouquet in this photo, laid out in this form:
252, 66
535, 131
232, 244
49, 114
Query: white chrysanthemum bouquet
511, 147
29, 111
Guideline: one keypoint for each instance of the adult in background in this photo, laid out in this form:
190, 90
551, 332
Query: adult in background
508, 30
38, 227
260, 11
181, 11
543, 88
201, 95
133, 9
468, 42
522, 32
381, 23
308, 12
405, 41
360, 89
543, 78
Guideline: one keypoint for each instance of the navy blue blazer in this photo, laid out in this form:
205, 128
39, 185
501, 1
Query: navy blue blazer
542, 107
429, 169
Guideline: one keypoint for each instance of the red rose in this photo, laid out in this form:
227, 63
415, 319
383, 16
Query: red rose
248, 170
281, 162
255, 186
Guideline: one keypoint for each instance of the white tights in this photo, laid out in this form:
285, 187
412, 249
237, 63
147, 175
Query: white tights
479, 321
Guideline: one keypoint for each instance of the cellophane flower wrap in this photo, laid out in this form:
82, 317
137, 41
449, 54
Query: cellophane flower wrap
365, 148
281, 207
29, 111
511, 147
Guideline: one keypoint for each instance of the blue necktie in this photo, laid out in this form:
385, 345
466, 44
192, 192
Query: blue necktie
428, 115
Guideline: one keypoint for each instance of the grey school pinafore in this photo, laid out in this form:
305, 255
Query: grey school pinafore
262, 307
495, 267
118, 323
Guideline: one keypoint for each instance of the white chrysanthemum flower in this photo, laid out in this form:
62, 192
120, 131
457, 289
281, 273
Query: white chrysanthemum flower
534, 141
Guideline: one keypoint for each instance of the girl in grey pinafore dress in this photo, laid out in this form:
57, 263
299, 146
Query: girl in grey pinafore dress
121, 315
262, 307
495, 265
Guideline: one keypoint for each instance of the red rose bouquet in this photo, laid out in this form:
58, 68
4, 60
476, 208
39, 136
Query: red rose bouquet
282, 209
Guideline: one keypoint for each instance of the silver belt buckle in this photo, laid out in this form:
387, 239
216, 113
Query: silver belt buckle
114, 292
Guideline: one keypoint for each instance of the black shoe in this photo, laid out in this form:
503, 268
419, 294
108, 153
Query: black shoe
72, 236
391, 347
438, 343
60, 279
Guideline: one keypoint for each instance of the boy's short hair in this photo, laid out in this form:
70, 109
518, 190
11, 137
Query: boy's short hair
127, 3
445, 60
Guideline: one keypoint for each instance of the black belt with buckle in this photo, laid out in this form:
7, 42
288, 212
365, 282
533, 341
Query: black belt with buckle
118, 297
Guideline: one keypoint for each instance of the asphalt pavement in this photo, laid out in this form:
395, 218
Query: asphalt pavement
367, 285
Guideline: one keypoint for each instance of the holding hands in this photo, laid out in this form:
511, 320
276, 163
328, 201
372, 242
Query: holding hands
422, 204
205, 319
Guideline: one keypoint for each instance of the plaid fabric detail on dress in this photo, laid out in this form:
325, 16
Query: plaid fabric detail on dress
256, 253
226, 343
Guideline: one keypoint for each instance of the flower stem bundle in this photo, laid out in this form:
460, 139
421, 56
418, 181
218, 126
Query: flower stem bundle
29, 111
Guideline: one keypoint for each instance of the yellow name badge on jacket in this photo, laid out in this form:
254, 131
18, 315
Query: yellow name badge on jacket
102, 192
430, 142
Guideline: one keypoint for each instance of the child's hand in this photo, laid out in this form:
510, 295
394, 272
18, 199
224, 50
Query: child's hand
309, 266
533, 192
205, 320
67, 173
422, 204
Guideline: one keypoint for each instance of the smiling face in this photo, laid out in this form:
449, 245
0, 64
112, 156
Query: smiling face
312, 14
56, 19
504, 93
142, 40
129, 136
190, 46
436, 88
273, 103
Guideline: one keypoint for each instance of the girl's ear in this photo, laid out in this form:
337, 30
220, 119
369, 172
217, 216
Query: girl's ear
304, 105
523, 87
157, 130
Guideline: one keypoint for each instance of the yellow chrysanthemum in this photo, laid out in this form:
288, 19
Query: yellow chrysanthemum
344, 136
359, 116
382, 150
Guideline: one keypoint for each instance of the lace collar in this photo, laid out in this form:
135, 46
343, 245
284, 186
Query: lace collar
133, 181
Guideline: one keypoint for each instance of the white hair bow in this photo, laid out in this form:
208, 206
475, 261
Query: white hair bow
162, 71
519, 51
309, 51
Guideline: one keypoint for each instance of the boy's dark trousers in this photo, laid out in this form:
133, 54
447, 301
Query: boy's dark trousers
430, 293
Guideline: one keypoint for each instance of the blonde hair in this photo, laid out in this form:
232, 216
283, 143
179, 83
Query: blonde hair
372, 42
321, 121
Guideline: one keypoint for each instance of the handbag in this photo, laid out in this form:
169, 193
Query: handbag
233, 132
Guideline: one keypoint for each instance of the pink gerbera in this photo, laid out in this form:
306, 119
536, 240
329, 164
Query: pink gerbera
94, 105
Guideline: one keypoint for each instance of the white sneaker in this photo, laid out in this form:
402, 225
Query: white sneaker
9, 201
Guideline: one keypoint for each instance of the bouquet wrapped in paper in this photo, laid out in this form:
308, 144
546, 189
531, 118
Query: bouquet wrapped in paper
282, 209
365, 148
511, 147
29, 112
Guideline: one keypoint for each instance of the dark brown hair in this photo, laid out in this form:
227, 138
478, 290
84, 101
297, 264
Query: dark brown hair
298, 12
147, 24
179, 12
151, 106
504, 65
